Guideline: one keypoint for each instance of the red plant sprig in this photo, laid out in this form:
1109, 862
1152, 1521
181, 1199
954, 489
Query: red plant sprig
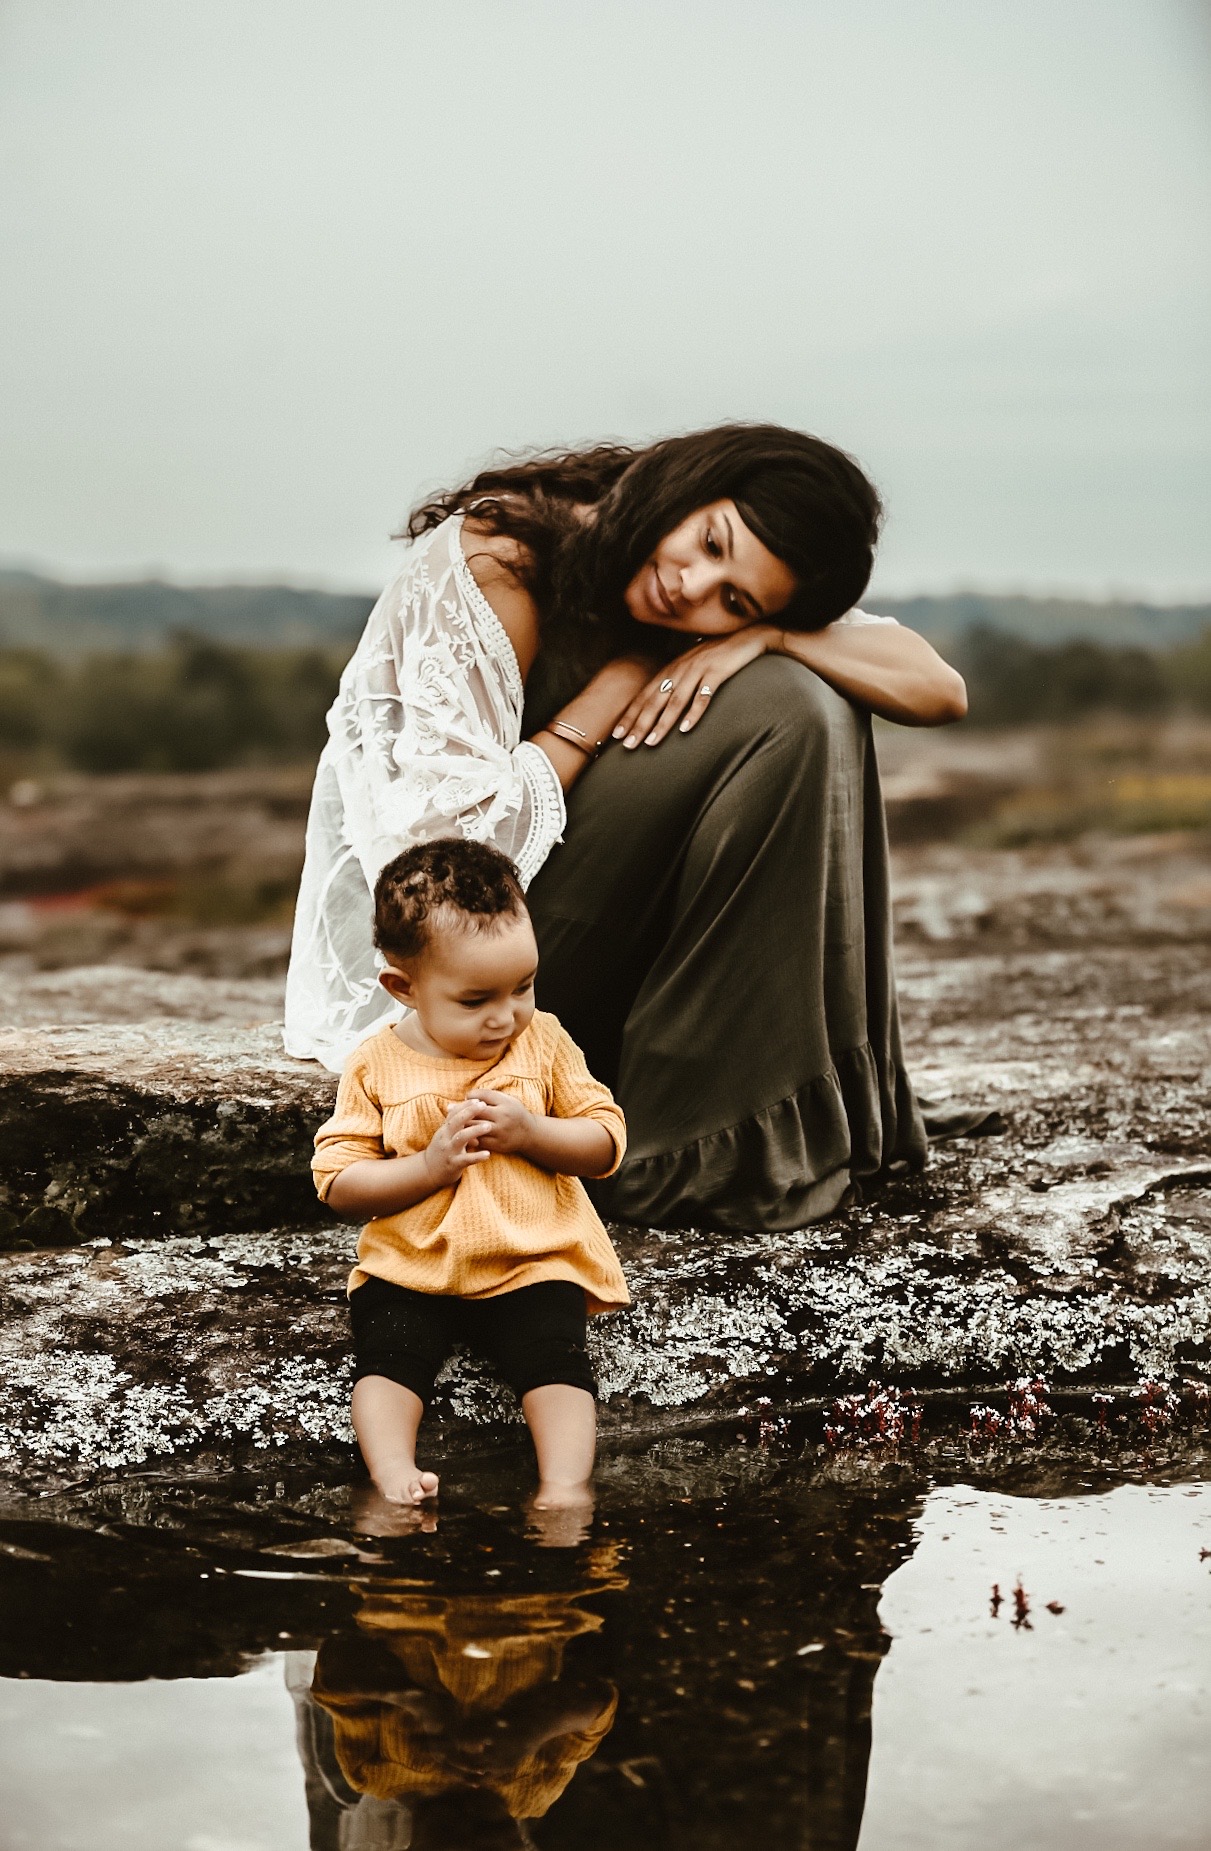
1156, 1405
880, 1417
1028, 1411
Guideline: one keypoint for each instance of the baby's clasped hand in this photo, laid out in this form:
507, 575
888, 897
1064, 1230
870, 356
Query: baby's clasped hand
488, 1123
453, 1147
510, 1127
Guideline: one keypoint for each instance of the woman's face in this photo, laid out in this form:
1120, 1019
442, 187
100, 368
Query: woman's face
710, 576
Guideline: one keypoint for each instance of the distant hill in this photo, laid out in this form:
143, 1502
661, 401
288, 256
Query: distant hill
1045, 621
72, 620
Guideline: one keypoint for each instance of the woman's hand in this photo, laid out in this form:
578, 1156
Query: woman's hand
887, 668
683, 690
615, 688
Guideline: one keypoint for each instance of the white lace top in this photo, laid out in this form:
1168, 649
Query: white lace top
424, 741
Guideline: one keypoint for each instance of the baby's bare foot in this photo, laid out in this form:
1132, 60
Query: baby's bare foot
375, 1515
561, 1515
407, 1485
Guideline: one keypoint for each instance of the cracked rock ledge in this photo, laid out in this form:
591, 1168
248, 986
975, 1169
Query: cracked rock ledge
170, 1286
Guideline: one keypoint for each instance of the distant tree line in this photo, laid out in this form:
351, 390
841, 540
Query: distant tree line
199, 705
1013, 682
193, 706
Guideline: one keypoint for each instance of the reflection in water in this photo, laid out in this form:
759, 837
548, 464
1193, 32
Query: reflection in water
463, 1692
744, 1642
464, 1682
450, 1720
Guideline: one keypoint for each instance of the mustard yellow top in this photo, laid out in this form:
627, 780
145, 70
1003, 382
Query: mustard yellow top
505, 1223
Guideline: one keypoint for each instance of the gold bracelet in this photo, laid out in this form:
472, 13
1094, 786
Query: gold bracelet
575, 736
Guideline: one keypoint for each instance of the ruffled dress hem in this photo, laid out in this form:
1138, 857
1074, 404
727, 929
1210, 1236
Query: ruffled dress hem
783, 1167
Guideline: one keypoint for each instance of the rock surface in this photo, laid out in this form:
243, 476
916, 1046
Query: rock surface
194, 1298
155, 1127
76, 832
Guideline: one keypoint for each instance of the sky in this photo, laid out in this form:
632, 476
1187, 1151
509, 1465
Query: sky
270, 269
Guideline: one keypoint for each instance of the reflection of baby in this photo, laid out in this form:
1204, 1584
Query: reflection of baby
461, 1132
462, 1707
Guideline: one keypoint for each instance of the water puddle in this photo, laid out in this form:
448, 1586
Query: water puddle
1071, 1707
753, 1645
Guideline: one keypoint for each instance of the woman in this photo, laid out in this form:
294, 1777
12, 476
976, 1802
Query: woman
714, 927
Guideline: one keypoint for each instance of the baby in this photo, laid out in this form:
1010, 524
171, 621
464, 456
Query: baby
460, 1131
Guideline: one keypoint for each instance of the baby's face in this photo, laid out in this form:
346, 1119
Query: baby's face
473, 992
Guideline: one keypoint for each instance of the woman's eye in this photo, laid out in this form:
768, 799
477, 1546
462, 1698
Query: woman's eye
732, 604
712, 545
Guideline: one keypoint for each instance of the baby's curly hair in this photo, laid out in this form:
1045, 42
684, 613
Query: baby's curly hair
468, 878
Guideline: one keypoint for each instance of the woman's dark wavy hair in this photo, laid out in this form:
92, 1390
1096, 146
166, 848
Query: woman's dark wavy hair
808, 502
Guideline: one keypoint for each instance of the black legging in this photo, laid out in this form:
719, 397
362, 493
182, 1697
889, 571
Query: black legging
534, 1336
715, 932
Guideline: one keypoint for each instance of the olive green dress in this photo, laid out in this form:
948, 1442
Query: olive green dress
715, 932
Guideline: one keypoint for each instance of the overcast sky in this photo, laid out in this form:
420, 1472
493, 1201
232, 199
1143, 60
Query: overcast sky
271, 267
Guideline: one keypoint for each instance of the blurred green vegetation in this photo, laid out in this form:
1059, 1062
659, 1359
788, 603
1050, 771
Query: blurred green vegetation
201, 705
195, 705
1014, 682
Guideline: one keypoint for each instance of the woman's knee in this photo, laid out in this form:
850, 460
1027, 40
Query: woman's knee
784, 698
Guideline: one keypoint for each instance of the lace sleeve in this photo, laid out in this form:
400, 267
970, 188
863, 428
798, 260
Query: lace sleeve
424, 741
857, 617
426, 729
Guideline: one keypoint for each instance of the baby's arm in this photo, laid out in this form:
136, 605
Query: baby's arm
572, 1147
584, 1135
374, 1186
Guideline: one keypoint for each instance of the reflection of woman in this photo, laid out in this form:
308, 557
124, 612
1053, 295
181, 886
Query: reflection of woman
714, 930
463, 1705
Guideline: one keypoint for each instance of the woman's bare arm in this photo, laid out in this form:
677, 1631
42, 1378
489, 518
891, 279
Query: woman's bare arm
493, 559
593, 712
883, 666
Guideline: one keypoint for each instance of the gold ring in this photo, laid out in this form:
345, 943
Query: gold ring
705, 690
666, 686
